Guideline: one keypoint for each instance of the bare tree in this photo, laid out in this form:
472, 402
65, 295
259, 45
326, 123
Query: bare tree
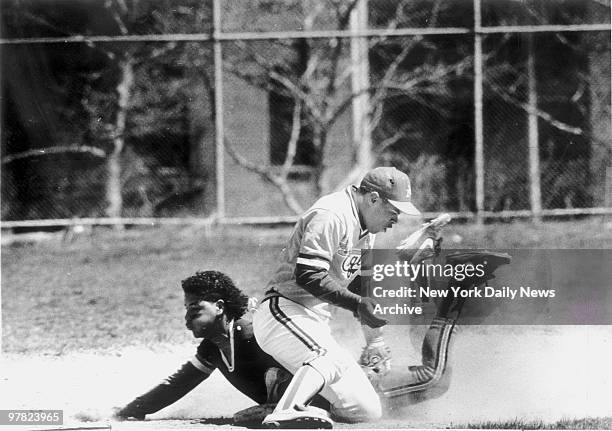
119, 97
321, 89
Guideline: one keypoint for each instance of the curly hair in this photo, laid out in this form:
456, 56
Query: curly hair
214, 285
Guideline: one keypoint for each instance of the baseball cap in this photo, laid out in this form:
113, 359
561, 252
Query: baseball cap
393, 185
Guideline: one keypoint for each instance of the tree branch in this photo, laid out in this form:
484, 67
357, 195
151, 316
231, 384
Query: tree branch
292, 88
268, 174
116, 17
386, 143
343, 17
94, 151
560, 125
293, 140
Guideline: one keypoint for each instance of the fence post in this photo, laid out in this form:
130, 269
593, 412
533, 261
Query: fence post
478, 117
535, 194
219, 130
360, 83
608, 190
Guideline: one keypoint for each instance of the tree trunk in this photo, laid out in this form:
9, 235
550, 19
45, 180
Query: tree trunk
113, 165
202, 153
316, 142
319, 140
598, 44
533, 133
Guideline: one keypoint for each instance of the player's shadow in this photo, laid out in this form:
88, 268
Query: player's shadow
230, 421
216, 421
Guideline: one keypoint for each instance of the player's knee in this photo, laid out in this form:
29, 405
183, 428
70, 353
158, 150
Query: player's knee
331, 369
373, 411
368, 411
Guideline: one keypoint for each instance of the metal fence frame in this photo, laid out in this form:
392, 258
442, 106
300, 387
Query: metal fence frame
218, 36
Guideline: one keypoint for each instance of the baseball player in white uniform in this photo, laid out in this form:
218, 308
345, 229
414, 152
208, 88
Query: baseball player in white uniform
319, 268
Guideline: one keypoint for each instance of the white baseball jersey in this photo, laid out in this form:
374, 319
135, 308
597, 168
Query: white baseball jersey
322, 257
328, 236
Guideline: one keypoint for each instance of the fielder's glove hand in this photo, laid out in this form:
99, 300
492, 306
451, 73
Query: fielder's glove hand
126, 413
376, 359
365, 313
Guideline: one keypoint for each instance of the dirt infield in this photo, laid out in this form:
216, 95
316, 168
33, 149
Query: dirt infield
499, 373
90, 324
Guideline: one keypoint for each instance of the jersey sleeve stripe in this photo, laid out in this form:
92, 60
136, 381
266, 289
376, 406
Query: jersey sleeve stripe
313, 262
314, 256
205, 368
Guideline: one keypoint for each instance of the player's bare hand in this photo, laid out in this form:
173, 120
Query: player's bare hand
125, 413
365, 313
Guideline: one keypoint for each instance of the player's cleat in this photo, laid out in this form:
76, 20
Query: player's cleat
489, 261
299, 417
450, 307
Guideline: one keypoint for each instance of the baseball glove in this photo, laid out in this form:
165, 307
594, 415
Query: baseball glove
253, 416
127, 413
375, 359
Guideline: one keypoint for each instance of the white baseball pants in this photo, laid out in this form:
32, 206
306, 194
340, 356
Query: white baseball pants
295, 336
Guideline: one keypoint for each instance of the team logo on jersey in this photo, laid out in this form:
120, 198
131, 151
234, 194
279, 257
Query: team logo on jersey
351, 264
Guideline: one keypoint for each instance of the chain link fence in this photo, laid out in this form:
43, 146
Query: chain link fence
135, 117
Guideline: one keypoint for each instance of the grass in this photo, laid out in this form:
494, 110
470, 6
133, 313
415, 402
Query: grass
564, 424
597, 423
115, 289
112, 289
587, 233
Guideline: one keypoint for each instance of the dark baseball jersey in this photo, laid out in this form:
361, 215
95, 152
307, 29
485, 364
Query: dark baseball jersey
248, 374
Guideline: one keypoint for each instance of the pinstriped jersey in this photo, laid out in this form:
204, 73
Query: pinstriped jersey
327, 236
